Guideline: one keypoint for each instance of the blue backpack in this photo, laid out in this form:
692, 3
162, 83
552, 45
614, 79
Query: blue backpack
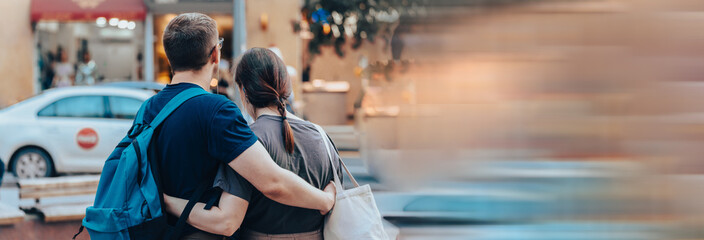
128, 202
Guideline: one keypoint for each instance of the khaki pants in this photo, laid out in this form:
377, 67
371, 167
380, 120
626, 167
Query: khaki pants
252, 235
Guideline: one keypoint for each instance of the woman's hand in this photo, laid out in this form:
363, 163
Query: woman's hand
174, 205
224, 219
169, 202
331, 191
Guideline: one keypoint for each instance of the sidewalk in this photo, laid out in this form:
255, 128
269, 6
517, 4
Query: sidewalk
34, 229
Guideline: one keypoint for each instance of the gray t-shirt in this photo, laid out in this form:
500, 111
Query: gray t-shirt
309, 160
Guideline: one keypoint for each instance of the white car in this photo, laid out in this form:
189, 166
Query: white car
66, 130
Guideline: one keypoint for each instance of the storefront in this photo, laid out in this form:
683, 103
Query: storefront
162, 67
161, 12
110, 33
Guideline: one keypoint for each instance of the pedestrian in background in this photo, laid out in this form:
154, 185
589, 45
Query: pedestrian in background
85, 75
48, 70
64, 73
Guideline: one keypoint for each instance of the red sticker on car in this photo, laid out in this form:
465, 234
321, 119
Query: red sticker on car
87, 138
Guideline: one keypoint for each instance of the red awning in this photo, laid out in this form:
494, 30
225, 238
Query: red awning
87, 10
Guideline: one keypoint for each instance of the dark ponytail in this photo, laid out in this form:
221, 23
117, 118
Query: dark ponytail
263, 77
288, 132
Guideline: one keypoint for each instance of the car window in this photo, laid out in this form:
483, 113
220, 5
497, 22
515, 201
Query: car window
124, 107
48, 111
79, 106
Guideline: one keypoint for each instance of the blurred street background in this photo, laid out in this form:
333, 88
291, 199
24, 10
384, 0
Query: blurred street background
470, 119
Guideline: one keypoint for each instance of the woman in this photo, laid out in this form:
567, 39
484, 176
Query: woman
293, 143
63, 71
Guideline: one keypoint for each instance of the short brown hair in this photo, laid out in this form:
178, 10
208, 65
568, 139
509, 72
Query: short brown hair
188, 40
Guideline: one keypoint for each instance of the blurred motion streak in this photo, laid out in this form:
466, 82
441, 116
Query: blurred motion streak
583, 112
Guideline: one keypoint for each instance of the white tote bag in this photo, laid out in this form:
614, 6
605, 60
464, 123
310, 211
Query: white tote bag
355, 215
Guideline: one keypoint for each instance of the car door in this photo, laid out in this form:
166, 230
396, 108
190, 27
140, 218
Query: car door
121, 111
82, 129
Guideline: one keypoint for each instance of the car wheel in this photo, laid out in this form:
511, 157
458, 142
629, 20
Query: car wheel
32, 163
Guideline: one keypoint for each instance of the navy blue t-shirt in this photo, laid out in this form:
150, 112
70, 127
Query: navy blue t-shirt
203, 133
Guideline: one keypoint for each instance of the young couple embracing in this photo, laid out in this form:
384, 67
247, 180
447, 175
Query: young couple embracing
201, 160
274, 176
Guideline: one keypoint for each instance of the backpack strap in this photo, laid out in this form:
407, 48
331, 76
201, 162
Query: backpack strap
138, 123
172, 105
176, 231
175, 103
139, 118
143, 148
165, 112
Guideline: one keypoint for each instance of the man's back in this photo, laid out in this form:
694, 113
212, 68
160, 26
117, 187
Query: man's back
194, 140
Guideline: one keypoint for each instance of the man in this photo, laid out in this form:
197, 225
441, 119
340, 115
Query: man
209, 130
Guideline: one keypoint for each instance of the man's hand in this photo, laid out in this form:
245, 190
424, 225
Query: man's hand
331, 191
